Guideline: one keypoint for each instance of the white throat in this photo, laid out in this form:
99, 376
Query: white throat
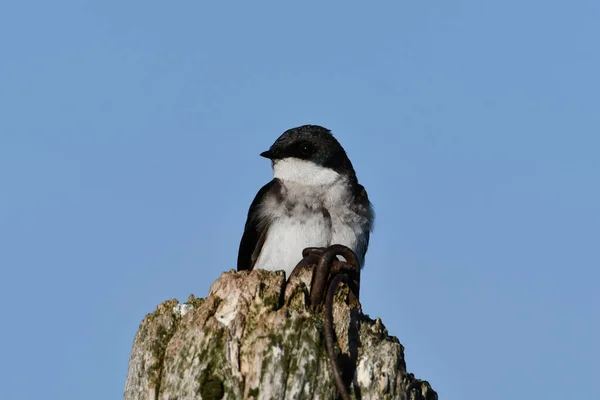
305, 172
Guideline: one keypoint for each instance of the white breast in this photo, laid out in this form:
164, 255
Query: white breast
286, 239
316, 214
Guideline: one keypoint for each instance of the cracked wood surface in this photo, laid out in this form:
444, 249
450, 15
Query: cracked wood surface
255, 337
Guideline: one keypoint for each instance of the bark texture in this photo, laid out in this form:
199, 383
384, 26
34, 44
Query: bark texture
255, 337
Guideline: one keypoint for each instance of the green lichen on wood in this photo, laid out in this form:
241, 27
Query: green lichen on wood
184, 353
272, 302
254, 392
158, 349
195, 302
303, 353
341, 295
215, 379
298, 298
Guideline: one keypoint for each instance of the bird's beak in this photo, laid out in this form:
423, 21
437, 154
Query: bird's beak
267, 154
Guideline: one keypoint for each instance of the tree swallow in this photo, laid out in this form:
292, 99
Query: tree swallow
314, 200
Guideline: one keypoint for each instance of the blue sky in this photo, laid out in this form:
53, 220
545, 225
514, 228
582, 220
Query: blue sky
129, 142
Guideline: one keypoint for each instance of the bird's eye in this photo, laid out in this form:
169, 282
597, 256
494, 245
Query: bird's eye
306, 149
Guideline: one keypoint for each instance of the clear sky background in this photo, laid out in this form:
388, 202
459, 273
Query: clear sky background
129, 142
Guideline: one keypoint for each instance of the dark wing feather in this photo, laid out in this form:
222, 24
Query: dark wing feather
256, 228
364, 209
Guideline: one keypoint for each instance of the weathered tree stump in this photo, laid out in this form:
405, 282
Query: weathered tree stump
255, 337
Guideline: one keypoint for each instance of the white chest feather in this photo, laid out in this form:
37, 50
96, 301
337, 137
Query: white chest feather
316, 214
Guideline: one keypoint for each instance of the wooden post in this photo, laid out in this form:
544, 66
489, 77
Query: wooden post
255, 337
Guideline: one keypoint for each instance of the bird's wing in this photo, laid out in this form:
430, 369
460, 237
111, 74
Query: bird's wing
364, 209
255, 231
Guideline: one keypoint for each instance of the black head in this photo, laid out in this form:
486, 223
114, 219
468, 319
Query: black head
312, 143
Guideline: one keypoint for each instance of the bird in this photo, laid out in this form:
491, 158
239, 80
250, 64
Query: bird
314, 200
